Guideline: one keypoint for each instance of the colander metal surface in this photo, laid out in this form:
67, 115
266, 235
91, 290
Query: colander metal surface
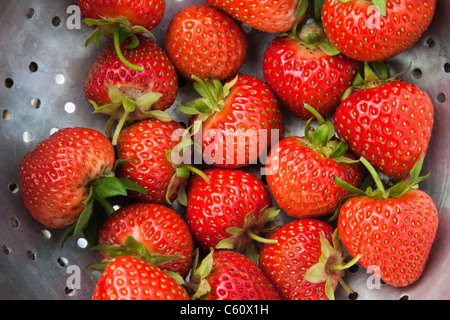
43, 64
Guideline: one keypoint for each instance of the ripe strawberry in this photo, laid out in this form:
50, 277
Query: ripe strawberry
158, 227
142, 148
229, 210
391, 230
128, 278
147, 14
128, 95
236, 123
264, 15
306, 263
122, 19
228, 275
304, 68
58, 177
376, 30
205, 42
300, 171
389, 123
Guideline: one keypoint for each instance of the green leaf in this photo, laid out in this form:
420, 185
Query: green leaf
202, 107
134, 43
160, 115
188, 108
320, 136
133, 186
109, 187
85, 215
302, 6
329, 48
381, 69
146, 101
129, 105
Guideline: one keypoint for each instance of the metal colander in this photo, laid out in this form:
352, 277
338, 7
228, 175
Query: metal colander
43, 64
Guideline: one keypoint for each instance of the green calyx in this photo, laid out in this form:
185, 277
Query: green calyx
121, 29
409, 182
135, 249
107, 186
213, 95
198, 285
330, 267
323, 140
242, 238
313, 36
124, 109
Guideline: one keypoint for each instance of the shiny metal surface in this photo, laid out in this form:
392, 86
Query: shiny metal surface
43, 63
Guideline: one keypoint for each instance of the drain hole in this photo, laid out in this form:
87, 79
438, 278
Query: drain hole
62, 261
27, 136
404, 297
45, 234
31, 255
441, 97
352, 295
30, 13
354, 268
13, 187
56, 21
35, 103
6, 115
430, 42
69, 291
70, 107
9, 82
60, 79
447, 67
82, 243
14, 222
417, 73
6, 251
33, 67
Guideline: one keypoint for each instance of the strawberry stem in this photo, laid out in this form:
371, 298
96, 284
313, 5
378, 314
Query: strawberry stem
119, 127
119, 52
260, 239
347, 265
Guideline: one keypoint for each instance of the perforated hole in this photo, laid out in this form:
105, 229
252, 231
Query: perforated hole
447, 67
30, 13
417, 73
45, 234
35, 103
31, 255
9, 82
13, 187
430, 42
6, 115
27, 136
6, 250
82, 243
62, 261
33, 67
56, 21
14, 222
352, 296
70, 107
441, 97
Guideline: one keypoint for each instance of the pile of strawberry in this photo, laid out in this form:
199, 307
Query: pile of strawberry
350, 184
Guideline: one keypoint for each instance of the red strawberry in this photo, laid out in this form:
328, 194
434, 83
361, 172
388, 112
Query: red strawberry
304, 68
264, 15
128, 278
205, 42
391, 230
159, 228
376, 30
306, 263
122, 19
147, 14
300, 171
143, 148
58, 177
228, 275
229, 210
235, 123
390, 124
128, 95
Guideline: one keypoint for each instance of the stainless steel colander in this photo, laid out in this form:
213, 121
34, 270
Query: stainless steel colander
43, 64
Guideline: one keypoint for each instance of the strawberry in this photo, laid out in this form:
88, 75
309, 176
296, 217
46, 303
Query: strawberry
392, 230
264, 15
128, 278
300, 171
205, 42
376, 30
58, 176
228, 275
128, 95
158, 227
389, 122
228, 210
306, 262
122, 19
142, 149
303, 67
235, 123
